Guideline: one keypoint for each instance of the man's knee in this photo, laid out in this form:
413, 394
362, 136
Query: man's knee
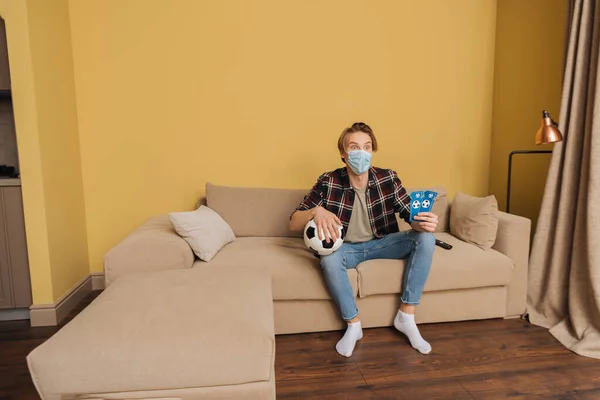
332, 262
426, 240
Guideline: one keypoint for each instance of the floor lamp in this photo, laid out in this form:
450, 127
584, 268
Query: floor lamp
548, 133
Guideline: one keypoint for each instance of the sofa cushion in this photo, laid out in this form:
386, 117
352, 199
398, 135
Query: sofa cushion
464, 266
475, 219
255, 211
295, 271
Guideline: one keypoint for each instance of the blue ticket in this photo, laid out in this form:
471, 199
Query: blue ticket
416, 198
428, 199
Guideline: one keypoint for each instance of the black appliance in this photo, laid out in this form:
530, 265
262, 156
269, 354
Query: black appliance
8, 171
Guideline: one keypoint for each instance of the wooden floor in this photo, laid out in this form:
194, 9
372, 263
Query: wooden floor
494, 359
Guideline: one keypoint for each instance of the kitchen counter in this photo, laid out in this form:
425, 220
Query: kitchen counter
10, 182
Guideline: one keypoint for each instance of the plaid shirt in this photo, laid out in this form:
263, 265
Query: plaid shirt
385, 196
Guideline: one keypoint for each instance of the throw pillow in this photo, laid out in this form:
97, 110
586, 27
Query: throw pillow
474, 219
204, 230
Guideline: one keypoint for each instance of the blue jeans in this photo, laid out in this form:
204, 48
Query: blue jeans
417, 246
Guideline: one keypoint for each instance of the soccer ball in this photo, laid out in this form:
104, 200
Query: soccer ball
321, 247
416, 204
426, 203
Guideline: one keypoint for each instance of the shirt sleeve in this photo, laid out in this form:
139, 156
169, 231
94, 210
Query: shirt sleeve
313, 199
402, 199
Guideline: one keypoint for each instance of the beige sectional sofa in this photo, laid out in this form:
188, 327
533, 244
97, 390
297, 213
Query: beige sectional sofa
168, 325
464, 283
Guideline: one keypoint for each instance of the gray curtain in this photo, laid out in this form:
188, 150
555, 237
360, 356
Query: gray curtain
564, 275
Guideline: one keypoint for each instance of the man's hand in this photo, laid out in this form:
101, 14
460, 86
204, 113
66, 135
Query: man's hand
326, 222
426, 222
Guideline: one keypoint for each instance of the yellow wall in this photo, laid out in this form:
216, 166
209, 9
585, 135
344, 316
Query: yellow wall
172, 94
125, 112
527, 79
40, 56
51, 53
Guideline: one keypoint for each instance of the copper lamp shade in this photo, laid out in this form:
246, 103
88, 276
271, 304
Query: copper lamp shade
548, 132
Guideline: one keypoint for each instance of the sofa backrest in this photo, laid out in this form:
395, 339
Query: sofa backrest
255, 211
266, 211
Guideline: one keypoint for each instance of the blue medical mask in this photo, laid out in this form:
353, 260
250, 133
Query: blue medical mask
359, 161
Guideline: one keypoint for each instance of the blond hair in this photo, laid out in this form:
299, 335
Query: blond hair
357, 127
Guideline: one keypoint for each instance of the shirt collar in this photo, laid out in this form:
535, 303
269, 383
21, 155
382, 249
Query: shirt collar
346, 179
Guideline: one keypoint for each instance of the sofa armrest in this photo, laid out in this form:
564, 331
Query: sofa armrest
512, 240
154, 246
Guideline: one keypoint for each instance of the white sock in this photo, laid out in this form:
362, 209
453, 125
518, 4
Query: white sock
405, 323
346, 344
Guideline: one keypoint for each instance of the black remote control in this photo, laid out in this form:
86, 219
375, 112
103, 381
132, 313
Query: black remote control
443, 245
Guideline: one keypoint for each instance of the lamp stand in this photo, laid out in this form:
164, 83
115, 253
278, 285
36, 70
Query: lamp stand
510, 169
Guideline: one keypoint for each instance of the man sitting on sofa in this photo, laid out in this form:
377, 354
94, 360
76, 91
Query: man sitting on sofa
364, 200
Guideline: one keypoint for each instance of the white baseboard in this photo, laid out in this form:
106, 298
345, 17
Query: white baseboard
52, 314
97, 281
